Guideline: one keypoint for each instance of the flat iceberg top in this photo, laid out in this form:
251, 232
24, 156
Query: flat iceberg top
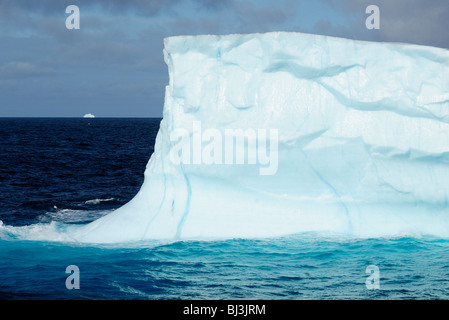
279, 133
287, 35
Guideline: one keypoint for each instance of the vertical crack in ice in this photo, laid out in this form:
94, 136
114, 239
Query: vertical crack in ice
187, 207
160, 205
332, 188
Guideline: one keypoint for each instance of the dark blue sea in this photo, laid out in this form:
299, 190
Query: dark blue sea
72, 171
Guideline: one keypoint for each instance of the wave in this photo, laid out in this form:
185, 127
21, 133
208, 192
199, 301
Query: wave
98, 201
54, 226
53, 231
72, 216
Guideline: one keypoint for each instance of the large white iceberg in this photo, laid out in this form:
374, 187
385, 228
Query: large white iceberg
341, 136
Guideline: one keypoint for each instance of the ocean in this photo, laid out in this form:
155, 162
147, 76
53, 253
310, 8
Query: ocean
56, 172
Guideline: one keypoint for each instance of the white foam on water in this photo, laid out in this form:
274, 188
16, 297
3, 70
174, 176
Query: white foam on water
72, 216
98, 201
53, 231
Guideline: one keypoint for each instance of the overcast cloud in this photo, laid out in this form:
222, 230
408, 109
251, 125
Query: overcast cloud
113, 66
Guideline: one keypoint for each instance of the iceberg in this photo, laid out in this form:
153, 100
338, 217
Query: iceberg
267, 135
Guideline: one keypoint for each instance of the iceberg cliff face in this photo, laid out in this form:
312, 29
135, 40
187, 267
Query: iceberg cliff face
280, 133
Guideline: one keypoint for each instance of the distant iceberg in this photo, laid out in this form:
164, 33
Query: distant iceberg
88, 115
354, 137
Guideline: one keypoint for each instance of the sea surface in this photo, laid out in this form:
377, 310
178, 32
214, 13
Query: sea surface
59, 171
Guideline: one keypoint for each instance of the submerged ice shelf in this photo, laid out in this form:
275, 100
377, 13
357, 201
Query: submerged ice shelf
361, 145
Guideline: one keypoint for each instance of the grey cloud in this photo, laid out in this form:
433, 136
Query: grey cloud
255, 18
120, 7
55, 6
420, 21
18, 69
235, 16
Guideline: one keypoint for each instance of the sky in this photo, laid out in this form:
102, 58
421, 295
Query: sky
113, 66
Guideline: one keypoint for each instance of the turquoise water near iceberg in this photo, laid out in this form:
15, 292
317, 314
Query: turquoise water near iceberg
296, 267
59, 172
